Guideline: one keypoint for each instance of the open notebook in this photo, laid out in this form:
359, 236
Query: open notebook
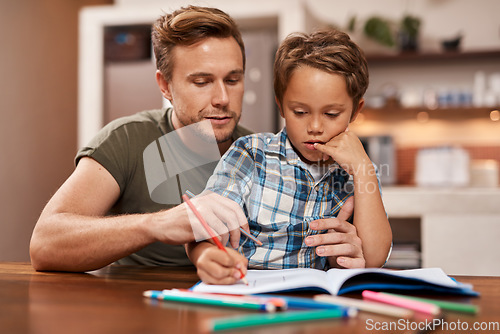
340, 281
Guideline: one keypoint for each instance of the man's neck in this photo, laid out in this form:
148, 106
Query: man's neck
223, 147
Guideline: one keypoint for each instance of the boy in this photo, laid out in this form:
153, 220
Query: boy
286, 183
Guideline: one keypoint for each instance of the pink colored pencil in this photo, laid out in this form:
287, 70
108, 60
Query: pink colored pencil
401, 302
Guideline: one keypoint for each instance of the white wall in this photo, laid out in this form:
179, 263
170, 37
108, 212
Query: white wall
441, 18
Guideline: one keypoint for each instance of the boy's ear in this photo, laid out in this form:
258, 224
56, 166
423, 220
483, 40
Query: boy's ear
356, 112
164, 86
279, 107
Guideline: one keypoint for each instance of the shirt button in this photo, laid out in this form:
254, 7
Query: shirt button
316, 188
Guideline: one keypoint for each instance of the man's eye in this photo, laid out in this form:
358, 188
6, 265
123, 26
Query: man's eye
200, 82
332, 115
233, 81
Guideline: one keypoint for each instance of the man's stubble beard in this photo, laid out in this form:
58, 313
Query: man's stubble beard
206, 134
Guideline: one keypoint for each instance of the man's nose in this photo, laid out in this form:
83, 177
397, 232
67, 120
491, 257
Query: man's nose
220, 96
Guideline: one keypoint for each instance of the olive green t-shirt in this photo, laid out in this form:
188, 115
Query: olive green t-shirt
119, 147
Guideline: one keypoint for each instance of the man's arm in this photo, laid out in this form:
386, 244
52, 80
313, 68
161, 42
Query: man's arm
72, 233
341, 244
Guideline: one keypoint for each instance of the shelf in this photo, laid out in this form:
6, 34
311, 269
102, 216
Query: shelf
451, 114
432, 57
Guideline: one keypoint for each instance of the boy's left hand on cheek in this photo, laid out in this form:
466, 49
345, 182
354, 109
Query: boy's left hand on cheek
346, 149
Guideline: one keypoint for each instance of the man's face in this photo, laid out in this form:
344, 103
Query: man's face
207, 84
316, 108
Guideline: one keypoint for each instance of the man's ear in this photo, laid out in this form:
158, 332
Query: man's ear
356, 112
164, 86
279, 107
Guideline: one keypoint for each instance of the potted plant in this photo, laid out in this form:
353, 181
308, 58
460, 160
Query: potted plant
408, 33
379, 30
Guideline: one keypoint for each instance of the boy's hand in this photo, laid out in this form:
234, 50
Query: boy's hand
346, 149
214, 266
341, 243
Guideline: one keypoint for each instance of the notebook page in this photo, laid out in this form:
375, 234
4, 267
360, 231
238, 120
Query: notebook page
264, 281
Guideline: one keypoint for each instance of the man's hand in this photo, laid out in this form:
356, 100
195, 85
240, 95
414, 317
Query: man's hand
341, 243
218, 267
223, 215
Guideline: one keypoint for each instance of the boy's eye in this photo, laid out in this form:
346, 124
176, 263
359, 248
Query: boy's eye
332, 114
299, 112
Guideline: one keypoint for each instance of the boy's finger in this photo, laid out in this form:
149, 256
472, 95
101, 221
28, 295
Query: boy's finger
228, 277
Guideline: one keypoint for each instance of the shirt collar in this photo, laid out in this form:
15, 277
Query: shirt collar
280, 145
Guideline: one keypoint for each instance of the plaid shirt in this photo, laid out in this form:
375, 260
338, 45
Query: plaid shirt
264, 174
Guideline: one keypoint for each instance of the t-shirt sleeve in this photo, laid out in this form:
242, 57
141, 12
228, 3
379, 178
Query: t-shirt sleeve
110, 148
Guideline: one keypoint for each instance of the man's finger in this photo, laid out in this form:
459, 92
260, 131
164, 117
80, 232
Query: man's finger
334, 224
349, 250
227, 210
347, 209
350, 263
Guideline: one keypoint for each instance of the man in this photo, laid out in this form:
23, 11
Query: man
104, 212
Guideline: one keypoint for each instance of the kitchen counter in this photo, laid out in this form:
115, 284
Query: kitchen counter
460, 227
408, 201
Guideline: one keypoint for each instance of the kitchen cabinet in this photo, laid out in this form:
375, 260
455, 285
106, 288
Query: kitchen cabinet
460, 227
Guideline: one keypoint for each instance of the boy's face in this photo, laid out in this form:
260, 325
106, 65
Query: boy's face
316, 108
207, 84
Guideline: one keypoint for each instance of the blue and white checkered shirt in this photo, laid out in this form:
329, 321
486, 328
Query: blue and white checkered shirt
279, 196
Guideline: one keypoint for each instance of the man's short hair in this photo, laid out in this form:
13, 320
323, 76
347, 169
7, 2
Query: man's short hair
328, 50
187, 26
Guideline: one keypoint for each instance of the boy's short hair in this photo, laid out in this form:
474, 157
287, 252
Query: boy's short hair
187, 26
328, 50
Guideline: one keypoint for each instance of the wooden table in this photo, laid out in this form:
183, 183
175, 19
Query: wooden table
110, 301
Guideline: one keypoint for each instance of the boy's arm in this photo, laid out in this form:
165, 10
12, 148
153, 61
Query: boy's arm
370, 218
215, 266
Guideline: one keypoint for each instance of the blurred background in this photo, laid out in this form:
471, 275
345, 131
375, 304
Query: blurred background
431, 120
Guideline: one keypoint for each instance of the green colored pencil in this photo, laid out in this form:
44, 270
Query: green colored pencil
276, 318
450, 306
210, 300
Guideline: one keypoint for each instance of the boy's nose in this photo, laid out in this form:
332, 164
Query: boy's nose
220, 96
314, 125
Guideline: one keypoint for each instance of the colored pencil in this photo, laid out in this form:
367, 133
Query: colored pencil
209, 230
278, 302
445, 305
367, 306
210, 300
306, 303
250, 236
402, 302
273, 319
